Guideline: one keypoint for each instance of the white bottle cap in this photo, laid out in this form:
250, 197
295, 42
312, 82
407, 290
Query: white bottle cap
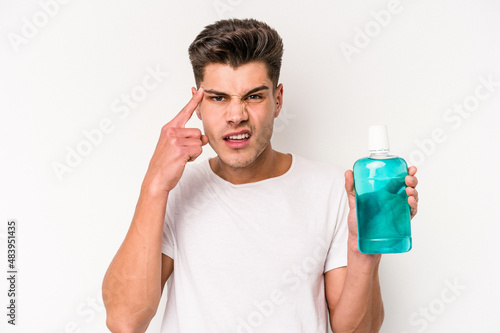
378, 141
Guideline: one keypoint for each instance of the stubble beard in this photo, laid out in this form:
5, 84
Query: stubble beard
236, 158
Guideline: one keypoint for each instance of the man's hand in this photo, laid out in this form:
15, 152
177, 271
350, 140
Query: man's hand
353, 292
411, 183
177, 146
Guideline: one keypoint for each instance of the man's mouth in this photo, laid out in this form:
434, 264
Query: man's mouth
237, 140
237, 137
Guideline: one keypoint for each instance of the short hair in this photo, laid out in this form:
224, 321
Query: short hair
236, 42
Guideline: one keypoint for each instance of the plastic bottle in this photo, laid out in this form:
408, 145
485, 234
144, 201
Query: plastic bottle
381, 201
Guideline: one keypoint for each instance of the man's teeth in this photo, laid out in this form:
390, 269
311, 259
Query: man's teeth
239, 136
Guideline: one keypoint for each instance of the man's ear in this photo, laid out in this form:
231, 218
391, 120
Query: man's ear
198, 113
278, 99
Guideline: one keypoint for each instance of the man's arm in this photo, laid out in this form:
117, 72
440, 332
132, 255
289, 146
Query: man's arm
353, 295
135, 278
133, 283
353, 292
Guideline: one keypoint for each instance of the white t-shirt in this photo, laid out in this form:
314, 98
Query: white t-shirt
251, 257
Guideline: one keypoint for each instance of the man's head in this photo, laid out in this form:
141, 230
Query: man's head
237, 42
237, 63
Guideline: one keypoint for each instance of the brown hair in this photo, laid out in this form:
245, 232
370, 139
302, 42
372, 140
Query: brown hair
237, 42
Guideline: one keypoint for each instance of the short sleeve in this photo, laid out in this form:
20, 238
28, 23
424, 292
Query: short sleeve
174, 207
168, 240
337, 254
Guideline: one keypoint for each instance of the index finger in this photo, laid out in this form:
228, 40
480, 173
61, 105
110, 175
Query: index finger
186, 113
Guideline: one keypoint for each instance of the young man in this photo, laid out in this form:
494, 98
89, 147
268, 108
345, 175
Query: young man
252, 240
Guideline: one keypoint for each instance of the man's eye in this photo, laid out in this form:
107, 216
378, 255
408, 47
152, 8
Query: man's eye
254, 97
217, 98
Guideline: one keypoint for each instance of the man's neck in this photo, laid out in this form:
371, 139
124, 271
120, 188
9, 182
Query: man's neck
269, 164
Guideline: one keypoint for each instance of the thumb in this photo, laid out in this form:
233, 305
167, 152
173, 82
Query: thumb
204, 140
349, 188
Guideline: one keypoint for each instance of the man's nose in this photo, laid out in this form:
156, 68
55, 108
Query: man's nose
236, 111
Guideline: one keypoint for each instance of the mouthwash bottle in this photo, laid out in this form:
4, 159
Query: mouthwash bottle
381, 201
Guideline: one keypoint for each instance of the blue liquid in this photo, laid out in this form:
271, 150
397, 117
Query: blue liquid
382, 205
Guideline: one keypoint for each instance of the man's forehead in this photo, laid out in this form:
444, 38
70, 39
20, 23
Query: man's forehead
239, 80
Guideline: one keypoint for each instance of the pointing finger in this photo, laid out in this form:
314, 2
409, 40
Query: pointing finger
187, 112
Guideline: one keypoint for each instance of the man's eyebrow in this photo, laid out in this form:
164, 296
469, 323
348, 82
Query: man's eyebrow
251, 91
257, 89
214, 92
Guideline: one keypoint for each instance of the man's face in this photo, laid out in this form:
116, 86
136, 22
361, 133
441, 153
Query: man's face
238, 111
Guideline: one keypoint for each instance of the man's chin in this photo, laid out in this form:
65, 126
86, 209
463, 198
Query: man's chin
236, 162
236, 159
239, 158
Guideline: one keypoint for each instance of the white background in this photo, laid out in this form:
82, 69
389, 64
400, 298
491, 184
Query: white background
68, 75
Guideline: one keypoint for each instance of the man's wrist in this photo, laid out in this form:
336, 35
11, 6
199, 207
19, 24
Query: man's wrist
150, 192
365, 262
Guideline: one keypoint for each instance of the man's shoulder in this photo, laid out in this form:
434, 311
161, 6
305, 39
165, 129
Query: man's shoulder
195, 173
316, 168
